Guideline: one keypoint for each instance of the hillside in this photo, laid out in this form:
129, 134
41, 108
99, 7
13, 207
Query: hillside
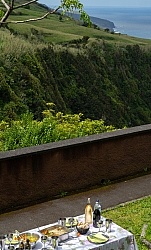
80, 69
54, 30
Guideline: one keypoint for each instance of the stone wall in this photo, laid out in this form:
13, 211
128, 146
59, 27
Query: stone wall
34, 174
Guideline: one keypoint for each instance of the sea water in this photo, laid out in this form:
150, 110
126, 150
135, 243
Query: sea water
131, 21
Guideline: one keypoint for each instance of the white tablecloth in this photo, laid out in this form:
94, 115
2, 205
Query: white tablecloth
119, 239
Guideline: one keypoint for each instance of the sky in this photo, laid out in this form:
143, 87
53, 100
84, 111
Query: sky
123, 3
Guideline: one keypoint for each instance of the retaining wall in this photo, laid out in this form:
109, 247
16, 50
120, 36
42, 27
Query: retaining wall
34, 174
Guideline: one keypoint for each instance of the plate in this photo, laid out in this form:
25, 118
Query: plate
74, 223
15, 241
98, 238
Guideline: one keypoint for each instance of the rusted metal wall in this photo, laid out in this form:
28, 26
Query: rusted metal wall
31, 175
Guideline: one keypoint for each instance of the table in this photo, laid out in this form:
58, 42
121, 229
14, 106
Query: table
119, 239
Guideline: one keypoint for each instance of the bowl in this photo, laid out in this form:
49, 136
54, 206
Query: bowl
82, 228
32, 237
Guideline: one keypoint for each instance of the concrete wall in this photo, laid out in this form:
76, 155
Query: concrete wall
34, 174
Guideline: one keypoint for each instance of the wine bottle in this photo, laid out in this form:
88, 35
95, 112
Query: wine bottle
96, 217
27, 245
96, 213
21, 245
88, 212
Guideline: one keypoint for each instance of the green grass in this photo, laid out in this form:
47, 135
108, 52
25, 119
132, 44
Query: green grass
132, 216
65, 30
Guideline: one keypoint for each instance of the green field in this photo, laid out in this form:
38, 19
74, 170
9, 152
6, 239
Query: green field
52, 30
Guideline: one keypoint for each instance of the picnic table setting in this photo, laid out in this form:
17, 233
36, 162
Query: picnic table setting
87, 231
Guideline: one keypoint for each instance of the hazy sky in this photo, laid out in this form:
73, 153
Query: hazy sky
125, 3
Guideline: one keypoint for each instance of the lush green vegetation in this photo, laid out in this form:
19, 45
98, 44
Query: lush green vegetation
96, 78
7, 10
82, 70
53, 127
132, 216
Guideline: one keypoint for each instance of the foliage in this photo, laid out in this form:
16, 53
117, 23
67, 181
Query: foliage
8, 9
54, 127
132, 216
97, 79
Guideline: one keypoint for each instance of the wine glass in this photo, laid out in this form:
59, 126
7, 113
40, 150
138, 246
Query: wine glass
44, 240
54, 242
99, 224
108, 223
10, 238
2, 241
71, 221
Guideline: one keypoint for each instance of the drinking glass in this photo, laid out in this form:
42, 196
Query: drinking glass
71, 220
10, 238
54, 242
44, 240
108, 223
2, 242
100, 224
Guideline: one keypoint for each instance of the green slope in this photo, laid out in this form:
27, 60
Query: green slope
53, 30
80, 69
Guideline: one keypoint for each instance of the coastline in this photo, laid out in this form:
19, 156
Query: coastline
102, 23
133, 21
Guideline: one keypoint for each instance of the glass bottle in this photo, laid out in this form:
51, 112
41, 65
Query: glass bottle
98, 206
21, 245
27, 245
96, 213
88, 212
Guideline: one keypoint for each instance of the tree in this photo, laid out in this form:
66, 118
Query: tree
65, 5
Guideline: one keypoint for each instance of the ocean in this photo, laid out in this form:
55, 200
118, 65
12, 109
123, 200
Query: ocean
131, 21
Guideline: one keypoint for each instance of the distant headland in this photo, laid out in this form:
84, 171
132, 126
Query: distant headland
102, 23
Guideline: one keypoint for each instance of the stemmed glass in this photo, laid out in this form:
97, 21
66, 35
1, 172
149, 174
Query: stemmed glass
100, 223
2, 241
108, 223
10, 238
44, 240
71, 221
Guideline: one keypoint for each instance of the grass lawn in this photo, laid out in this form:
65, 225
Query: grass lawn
132, 216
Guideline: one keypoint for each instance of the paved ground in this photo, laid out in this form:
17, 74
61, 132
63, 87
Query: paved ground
73, 205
